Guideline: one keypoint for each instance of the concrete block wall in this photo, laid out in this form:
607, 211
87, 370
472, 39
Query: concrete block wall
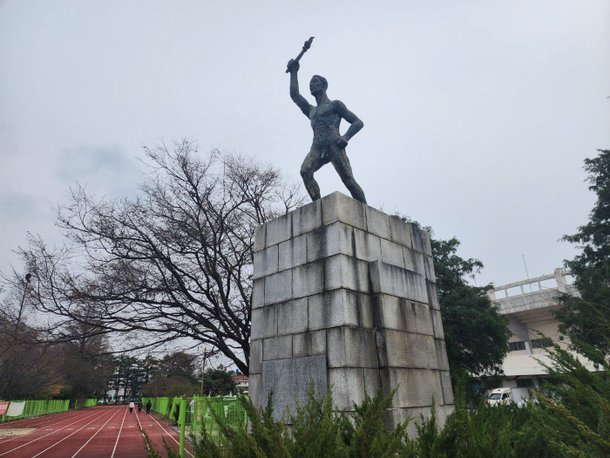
344, 296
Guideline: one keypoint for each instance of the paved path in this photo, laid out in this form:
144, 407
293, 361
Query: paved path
108, 431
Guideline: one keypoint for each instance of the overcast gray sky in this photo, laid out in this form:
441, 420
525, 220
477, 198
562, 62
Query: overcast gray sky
478, 114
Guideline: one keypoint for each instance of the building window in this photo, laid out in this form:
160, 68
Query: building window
525, 383
542, 343
516, 346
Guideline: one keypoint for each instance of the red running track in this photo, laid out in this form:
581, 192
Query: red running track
109, 432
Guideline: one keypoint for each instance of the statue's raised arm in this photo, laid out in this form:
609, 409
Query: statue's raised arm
295, 95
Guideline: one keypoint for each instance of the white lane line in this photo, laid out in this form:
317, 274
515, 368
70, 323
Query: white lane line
119, 435
139, 423
170, 435
38, 423
60, 441
98, 430
41, 437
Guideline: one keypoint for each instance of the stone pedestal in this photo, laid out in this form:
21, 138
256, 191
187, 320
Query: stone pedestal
345, 296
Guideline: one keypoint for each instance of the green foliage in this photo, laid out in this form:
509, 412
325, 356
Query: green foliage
476, 334
570, 420
587, 319
266, 437
178, 363
218, 382
368, 435
491, 431
316, 430
574, 409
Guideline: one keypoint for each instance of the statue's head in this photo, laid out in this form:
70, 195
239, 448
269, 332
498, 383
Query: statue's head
317, 84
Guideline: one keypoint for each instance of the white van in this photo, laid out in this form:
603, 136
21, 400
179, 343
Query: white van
500, 396
519, 396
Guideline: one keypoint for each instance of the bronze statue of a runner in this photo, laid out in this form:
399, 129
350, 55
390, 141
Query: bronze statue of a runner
328, 143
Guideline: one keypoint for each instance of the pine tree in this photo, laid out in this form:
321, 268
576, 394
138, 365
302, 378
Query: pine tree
476, 334
586, 319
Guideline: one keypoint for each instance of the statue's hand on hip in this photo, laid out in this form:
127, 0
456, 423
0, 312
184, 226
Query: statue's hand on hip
342, 142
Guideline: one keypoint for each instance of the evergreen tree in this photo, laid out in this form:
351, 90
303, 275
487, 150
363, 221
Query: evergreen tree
586, 319
218, 382
476, 334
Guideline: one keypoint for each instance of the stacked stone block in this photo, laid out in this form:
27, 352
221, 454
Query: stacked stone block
344, 296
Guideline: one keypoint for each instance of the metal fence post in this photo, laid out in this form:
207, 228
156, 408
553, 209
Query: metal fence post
182, 423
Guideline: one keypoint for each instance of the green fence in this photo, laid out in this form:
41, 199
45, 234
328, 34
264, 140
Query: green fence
193, 414
81, 403
35, 408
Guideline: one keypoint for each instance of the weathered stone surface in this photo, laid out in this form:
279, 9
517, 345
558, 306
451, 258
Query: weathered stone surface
446, 386
392, 253
420, 240
316, 244
256, 356
367, 246
388, 311
429, 267
410, 350
400, 232
292, 253
377, 222
259, 237
349, 387
416, 387
437, 324
292, 316
365, 306
308, 279
417, 317
328, 240
355, 289
341, 271
395, 281
432, 295
309, 343
307, 218
279, 230
340, 238
332, 309
254, 388
278, 287
264, 323
421, 351
258, 293
441, 354
277, 348
339, 207
414, 261
290, 380
265, 262
351, 347
371, 381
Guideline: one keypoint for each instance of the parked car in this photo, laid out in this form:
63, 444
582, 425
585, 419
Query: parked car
518, 396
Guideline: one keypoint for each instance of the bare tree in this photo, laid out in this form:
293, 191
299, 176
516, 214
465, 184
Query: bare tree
173, 263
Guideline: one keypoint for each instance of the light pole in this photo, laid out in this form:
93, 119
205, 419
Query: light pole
28, 277
206, 355
203, 358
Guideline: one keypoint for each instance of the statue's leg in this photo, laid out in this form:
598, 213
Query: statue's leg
312, 163
344, 169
